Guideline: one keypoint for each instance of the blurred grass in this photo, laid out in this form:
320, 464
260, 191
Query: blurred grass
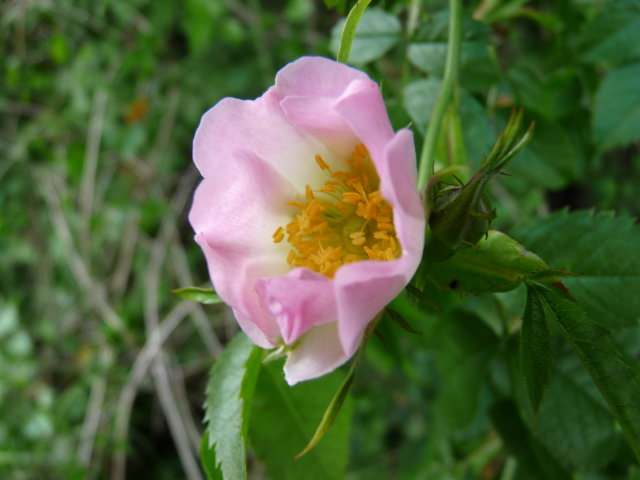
102, 369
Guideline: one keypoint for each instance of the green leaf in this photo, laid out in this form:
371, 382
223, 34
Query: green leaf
283, 420
477, 62
616, 113
602, 249
616, 380
532, 456
419, 98
228, 405
349, 30
378, 31
613, 35
535, 350
574, 421
550, 161
201, 295
497, 263
465, 345
208, 459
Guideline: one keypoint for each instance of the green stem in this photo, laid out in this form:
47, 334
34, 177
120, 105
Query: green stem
448, 83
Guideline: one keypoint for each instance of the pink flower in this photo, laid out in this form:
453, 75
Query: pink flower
308, 213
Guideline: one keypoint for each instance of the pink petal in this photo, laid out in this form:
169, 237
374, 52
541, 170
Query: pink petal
299, 301
258, 127
364, 288
318, 352
316, 77
234, 214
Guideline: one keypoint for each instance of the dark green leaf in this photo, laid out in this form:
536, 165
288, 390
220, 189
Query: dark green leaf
616, 113
574, 421
201, 295
602, 249
227, 406
616, 380
550, 161
497, 263
518, 440
377, 33
464, 348
535, 350
284, 419
613, 35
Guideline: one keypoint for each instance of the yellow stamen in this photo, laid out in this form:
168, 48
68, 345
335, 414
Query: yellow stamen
346, 220
278, 236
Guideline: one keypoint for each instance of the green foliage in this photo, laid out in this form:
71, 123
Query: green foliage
496, 263
228, 405
616, 379
284, 419
103, 370
201, 295
377, 32
617, 109
601, 249
535, 349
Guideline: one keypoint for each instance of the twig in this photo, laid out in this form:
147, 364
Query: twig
139, 371
91, 421
92, 151
93, 291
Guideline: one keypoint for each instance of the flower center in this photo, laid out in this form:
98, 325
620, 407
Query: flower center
345, 221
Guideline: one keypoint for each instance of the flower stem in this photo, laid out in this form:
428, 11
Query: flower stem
448, 83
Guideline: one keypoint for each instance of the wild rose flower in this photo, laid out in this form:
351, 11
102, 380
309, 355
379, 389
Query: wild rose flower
308, 213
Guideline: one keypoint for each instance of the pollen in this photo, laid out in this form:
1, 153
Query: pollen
346, 220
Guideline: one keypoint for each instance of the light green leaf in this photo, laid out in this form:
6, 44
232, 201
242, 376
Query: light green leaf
201, 295
616, 113
349, 30
378, 31
228, 405
208, 459
535, 350
616, 380
497, 263
284, 419
602, 249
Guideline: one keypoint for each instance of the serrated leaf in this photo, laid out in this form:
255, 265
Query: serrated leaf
616, 113
201, 295
284, 419
378, 31
208, 459
533, 457
228, 405
602, 249
535, 350
616, 380
497, 263
465, 345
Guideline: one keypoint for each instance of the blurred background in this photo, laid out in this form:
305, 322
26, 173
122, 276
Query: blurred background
102, 369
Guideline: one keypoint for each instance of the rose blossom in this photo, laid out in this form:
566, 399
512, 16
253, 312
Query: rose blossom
308, 213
